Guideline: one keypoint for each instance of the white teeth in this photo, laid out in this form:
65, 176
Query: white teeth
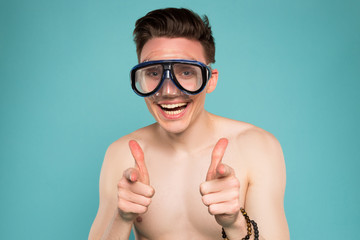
171, 106
169, 109
173, 112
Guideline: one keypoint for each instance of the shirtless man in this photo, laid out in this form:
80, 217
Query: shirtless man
188, 175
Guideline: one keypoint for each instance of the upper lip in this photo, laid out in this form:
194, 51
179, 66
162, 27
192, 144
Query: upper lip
171, 102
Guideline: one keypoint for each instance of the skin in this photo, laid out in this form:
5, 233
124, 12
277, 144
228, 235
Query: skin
186, 176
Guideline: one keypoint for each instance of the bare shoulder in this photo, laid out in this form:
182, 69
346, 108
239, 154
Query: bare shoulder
118, 155
258, 142
117, 159
245, 132
256, 148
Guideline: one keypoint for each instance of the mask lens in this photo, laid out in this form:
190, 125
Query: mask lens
148, 78
188, 76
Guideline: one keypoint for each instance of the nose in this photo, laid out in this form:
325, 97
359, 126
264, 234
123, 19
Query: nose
168, 88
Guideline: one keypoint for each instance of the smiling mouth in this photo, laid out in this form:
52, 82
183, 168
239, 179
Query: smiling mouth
173, 109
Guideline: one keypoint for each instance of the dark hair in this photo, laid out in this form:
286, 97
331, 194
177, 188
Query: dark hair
172, 23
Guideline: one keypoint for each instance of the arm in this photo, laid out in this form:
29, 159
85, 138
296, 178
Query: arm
121, 200
265, 195
262, 156
109, 178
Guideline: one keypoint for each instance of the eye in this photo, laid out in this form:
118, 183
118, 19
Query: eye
153, 72
187, 73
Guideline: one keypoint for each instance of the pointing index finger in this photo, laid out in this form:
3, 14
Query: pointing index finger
216, 158
138, 155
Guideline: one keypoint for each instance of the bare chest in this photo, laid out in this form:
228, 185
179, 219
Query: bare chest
177, 210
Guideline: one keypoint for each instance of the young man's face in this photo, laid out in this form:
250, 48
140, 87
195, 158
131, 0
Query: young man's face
171, 108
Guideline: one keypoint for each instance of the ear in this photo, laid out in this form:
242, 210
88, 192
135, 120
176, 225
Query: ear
212, 81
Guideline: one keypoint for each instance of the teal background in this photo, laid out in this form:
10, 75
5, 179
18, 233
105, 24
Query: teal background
290, 67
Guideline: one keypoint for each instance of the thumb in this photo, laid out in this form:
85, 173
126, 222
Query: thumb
138, 154
216, 158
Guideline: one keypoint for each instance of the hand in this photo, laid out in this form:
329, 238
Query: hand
220, 192
134, 191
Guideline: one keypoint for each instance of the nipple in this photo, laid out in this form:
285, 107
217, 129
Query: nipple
139, 219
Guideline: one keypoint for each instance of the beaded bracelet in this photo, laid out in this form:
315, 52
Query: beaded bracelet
256, 230
248, 223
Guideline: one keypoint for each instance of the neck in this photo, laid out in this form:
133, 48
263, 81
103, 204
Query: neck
194, 138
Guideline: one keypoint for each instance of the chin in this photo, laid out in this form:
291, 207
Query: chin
175, 127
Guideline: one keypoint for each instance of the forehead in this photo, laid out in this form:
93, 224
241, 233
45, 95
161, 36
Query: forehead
162, 48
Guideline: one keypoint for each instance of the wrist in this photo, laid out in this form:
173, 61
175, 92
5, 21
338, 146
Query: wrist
118, 228
238, 229
234, 231
124, 219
